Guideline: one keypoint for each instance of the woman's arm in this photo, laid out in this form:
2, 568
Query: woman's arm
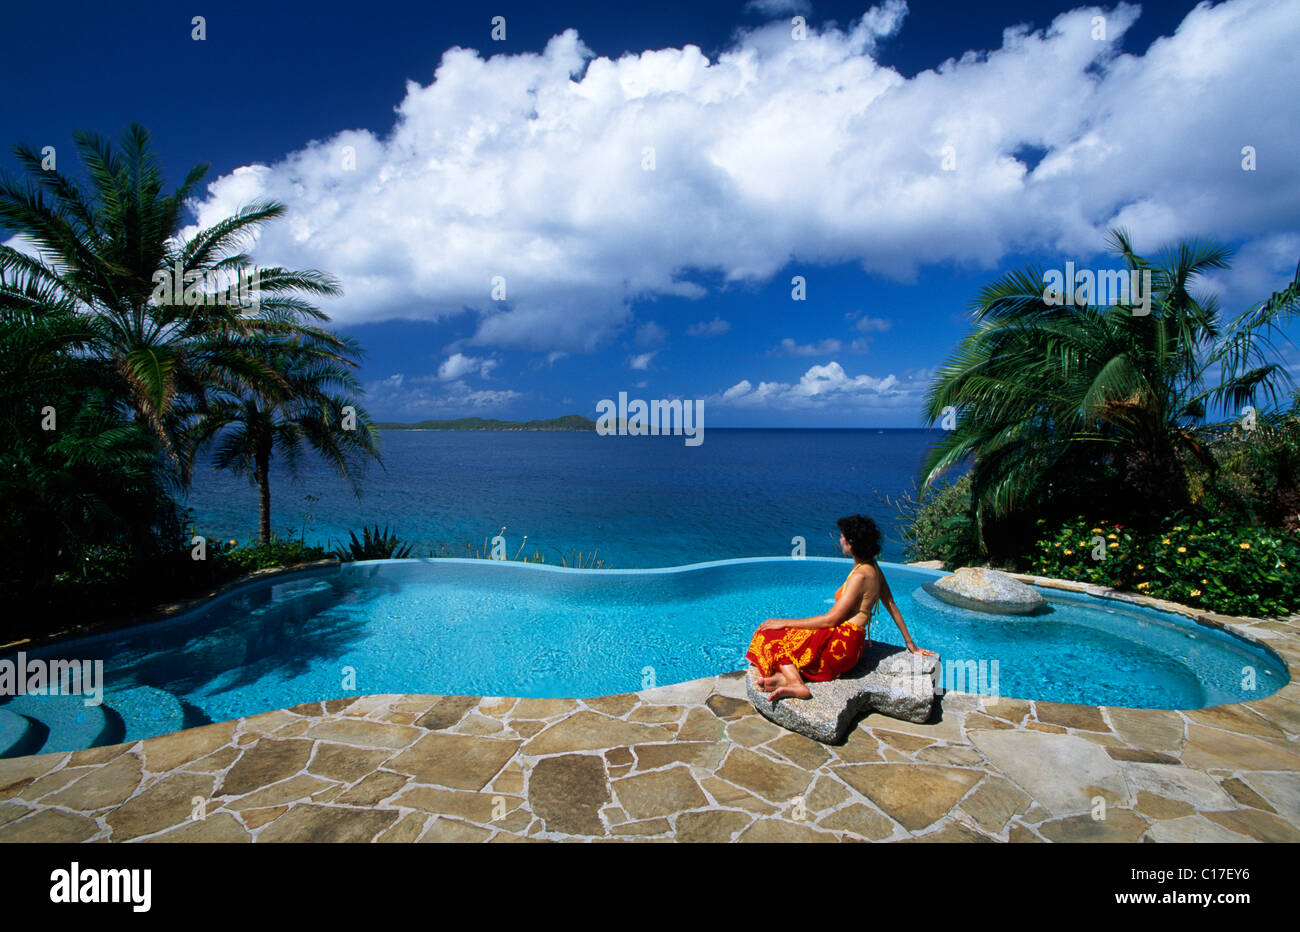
887, 598
845, 607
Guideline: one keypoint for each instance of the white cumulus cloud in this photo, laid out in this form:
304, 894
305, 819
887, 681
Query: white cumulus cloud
530, 169
871, 324
708, 328
433, 397
457, 365
819, 387
829, 346
789, 347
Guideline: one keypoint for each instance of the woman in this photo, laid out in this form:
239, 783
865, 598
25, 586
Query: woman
787, 651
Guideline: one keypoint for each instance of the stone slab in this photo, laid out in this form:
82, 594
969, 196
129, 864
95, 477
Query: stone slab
1062, 772
888, 680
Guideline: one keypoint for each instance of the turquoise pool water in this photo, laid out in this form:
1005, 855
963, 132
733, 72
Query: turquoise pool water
481, 628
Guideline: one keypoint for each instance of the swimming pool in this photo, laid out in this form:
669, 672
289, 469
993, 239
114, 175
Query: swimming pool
474, 627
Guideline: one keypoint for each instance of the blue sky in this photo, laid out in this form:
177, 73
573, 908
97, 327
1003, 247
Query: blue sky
648, 179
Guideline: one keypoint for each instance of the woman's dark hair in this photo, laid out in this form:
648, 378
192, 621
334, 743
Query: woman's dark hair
863, 536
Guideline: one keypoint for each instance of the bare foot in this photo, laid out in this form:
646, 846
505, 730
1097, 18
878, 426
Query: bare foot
766, 683
793, 692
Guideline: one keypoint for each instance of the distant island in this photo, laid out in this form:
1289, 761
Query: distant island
568, 422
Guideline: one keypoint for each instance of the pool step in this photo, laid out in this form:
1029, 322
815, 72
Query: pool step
72, 724
298, 588
19, 735
146, 711
309, 595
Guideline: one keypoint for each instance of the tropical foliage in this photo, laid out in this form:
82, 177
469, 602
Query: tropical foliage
163, 315
1213, 563
1254, 471
938, 524
374, 544
1059, 405
248, 423
126, 341
80, 483
260, 556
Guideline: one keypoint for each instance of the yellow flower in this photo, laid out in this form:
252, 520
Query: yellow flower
1114, 545
232, 543
1178, 528
1194, 592
1096, 530
1204, 581
1143, 585
1068, 552
1182, 549
1245, 545
1165, 541
1112, 536
1141, 567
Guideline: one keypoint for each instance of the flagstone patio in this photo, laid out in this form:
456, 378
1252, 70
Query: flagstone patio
689, 762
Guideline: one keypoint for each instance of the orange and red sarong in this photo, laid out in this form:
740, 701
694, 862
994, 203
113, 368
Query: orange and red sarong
819, 654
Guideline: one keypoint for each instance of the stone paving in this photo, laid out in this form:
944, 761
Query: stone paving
689, 762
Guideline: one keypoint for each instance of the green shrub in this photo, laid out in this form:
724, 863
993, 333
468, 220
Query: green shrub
250, 558
1253, 470
100, 579
374, 545
1207, 562
939, 524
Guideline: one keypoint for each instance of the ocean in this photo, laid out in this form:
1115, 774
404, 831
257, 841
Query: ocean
633, 501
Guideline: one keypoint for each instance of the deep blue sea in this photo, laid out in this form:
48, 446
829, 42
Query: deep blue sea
636, 502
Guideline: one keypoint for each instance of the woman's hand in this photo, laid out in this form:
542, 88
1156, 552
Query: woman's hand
772, 624
920, 650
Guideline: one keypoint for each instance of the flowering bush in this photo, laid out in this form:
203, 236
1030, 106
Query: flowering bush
258, 556
1211, 563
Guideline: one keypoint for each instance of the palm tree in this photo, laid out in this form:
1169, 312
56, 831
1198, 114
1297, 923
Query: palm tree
1045, 393
79, 482
249, 423
107, 255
